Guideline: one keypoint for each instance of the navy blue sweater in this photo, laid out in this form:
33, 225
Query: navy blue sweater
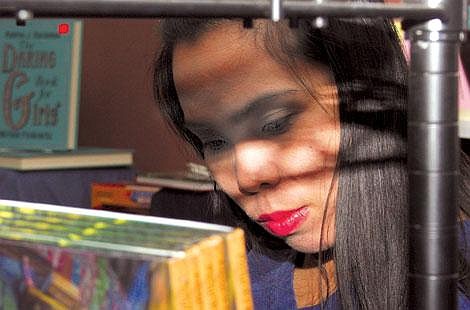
272, 284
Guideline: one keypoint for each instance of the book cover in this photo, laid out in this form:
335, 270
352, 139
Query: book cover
82, 157
40, 83
69, 258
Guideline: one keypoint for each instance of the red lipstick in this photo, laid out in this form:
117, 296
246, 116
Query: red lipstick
283, 223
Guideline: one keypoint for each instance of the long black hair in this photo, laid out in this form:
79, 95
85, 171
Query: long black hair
370, 71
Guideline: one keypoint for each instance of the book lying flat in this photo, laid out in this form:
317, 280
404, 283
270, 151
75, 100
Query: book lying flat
194, 178
125, 196
176, 181
82, 157
55, 257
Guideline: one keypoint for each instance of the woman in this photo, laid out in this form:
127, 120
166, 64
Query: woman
304, 129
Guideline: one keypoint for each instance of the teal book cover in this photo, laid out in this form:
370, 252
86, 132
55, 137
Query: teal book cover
40, 66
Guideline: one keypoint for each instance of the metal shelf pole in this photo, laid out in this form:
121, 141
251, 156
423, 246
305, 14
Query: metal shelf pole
433, 160
212, 8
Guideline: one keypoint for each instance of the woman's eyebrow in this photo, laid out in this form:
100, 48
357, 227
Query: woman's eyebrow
259, 103
255, 105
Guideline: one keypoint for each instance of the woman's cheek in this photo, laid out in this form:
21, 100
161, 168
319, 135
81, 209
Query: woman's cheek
221, 172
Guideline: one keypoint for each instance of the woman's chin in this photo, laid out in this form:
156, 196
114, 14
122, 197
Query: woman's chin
306, 243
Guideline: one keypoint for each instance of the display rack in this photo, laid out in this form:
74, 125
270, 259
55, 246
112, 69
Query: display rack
433, 143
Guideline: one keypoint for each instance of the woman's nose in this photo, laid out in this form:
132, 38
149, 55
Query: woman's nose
256, 166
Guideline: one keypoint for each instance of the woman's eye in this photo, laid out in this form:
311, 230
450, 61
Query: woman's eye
215, 145
277, 126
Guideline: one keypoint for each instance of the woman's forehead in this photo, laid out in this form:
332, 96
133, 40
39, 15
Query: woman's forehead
223, 67
215, 53
228, 67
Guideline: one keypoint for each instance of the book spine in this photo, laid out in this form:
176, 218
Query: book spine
121, 195
194, 254
75, 73
220, 273
180, 283
213, 273
64, 291
160, 295
238, 275
38, 300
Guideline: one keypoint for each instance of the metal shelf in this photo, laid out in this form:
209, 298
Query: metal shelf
433, 159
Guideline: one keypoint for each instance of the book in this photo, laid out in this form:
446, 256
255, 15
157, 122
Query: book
58, 257
82, 157
40, 83
123, 196
195, 178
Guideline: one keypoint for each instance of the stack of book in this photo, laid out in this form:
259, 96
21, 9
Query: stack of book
125, 196
40, 67
136, 196
54, 257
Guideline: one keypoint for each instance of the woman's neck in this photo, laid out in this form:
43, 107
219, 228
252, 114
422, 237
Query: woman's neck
312, 282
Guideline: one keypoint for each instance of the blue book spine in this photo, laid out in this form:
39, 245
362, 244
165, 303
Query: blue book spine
40, 66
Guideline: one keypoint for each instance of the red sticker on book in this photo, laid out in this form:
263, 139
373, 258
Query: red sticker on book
63, 29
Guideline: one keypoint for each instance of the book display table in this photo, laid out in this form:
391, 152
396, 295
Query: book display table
64, 187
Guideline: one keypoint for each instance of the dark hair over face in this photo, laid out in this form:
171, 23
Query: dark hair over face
369, 69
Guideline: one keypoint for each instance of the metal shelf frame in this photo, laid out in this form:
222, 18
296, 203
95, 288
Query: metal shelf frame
433, 143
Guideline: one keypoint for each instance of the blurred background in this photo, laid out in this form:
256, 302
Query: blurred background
116, 102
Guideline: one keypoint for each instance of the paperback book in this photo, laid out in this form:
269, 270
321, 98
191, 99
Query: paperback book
82, 157
126, 196
194, 178
40, 83
54, 257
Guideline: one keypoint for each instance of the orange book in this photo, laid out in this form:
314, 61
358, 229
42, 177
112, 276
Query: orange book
124, 195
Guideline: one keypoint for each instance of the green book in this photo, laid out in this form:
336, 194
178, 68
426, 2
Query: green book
40, 83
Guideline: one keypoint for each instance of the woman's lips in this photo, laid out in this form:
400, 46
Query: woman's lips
283, 223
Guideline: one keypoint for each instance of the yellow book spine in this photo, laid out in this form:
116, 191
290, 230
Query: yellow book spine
180, 283
212, 273
238, 275
160, 287
64, 291
220, 273
194, 253
44, 300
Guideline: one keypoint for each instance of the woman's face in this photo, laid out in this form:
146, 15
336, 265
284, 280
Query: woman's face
270, 142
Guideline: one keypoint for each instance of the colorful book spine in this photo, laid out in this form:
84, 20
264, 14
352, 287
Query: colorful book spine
130, 195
